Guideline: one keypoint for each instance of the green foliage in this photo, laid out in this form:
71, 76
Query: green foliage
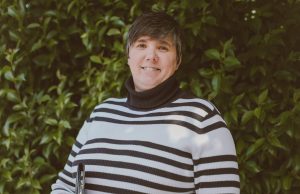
61, 58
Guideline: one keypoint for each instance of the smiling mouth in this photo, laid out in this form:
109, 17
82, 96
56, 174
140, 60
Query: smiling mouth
151, 68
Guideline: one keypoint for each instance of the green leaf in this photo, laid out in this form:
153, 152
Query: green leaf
85, 39
33, 25
15, 117
113, 31
206, 72
297, 163
253, 167
22, 8
58, 136
7, 175
47, 151
51, 121
238, 98
21, 77
70, 141
257, 112
263, 96
196, 87
227, 46
47, 178
287, 182
37, 45
234, 115
216, 83
40, 161
240, 146
51, 35
296, 96
231, 63
22, 182
2, 184
46, 138
95, 59
5, 162
51, 13
213, 54
36, 184
44, 98
65, 124
70, 6
14, 35
210, 20
9, 76
42, 60
6, 142
255, 147
2, 93
12, 96
212, 95
247, 116
284, 117
273, 140
12, 12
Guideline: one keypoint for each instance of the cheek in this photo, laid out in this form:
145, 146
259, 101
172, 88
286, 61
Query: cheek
131, 60
128, 61
132, 65
172, 63
132, 57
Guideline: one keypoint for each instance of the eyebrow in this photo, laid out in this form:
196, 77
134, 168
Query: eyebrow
164, 42
141, 40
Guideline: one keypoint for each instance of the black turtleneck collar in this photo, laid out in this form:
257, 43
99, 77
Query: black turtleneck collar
152, 98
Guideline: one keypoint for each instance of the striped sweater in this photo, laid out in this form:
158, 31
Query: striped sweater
169, 143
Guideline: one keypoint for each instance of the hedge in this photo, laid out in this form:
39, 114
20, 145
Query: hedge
60, 58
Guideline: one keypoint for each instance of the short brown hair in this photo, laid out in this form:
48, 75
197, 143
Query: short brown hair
156, 25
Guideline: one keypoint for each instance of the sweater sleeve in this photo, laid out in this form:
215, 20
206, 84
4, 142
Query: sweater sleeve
214, 157
65, 184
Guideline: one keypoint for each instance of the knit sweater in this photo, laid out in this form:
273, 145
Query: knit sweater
162, 140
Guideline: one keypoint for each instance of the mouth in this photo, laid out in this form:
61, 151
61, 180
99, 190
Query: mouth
151, 69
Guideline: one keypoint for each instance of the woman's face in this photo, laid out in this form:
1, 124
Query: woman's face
151, 61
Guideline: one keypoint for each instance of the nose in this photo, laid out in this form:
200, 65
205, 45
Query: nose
151, 55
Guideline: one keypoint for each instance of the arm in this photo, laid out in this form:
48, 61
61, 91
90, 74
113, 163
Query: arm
215, 161
65, 184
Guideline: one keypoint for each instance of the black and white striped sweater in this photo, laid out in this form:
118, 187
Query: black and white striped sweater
159, 141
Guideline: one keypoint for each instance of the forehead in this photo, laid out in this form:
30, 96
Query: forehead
162, 40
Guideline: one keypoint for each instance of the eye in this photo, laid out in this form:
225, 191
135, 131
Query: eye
163, 48
141, 45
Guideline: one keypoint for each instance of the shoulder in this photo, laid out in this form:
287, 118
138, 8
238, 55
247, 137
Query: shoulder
111, 102
107, 105
190, 100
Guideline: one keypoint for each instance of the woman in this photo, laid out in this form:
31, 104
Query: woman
159, 139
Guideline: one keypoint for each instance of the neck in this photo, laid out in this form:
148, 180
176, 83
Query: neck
152, 98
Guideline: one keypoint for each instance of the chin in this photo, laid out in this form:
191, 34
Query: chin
149, 87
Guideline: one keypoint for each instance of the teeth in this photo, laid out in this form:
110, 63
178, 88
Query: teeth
151, 68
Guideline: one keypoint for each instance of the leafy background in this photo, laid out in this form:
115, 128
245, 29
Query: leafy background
60, 58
